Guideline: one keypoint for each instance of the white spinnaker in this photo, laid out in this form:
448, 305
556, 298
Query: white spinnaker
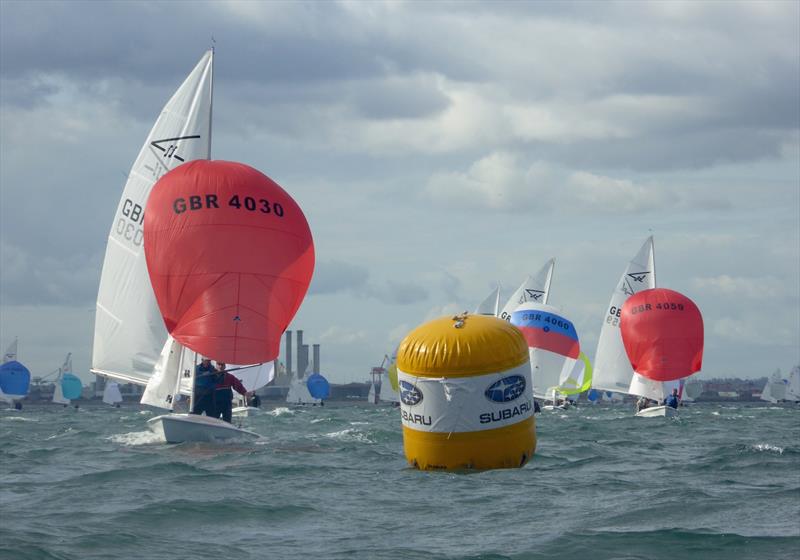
612, 368
490, 305
535, 289
111, 393
129, 331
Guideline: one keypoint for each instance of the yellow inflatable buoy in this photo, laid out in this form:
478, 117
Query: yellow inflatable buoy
466, 398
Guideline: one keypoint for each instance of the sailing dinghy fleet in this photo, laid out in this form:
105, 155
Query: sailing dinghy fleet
642, 358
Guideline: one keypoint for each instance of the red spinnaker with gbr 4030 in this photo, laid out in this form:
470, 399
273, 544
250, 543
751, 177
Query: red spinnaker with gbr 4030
230, 257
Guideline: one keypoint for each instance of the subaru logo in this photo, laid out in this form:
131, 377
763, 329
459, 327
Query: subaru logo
507, 389
409, 394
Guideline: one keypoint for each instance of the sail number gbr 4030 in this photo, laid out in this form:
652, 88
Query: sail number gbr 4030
211, 201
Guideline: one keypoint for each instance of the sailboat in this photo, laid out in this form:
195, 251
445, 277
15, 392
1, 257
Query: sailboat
15, 379
112, 394
553, 345
391, 391
253, 379
534, 289
793, 385
663, 334
612, 369
132, 343
491, 304
774, 390
298, 390
130, 338
67, 385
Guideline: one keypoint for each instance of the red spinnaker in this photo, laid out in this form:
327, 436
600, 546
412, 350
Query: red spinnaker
663, 334
230, 257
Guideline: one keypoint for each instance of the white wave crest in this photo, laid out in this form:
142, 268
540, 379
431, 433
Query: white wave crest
280, 411
20, 419
146, 437
768, 448
349, 434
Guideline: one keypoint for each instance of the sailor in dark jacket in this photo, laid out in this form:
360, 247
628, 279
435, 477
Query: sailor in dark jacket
224, 382
204, 388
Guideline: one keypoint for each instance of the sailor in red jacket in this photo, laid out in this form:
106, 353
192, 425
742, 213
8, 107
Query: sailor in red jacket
223, 395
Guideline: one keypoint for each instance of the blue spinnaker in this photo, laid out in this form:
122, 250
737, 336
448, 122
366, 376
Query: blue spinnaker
71, 386
318, 386
15, 379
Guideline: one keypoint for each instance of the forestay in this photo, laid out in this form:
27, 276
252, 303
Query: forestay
129, 331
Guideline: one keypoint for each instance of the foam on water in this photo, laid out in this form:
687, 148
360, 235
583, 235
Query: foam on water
19, 419
280, 411
767, 447
146, 437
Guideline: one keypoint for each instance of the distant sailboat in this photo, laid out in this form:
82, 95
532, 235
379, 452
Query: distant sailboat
15, 379
112, 394
67, 385
534, 289
663, 334
298, 390
612, 369
491, 304
793, 385
774, 390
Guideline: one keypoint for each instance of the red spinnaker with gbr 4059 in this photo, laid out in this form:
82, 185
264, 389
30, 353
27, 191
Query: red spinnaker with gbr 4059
662, 331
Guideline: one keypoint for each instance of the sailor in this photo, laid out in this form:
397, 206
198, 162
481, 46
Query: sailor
204, 388
672, 400
642, 403
255, 401
223, 395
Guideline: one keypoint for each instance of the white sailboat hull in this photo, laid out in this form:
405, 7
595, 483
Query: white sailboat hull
244, 411
658, 411
179, 428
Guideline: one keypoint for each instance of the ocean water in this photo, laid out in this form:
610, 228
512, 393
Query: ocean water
722, 481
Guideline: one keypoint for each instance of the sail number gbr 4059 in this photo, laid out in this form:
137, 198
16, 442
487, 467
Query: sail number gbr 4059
211, 201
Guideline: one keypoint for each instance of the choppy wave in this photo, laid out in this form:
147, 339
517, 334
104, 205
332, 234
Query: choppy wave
334, 483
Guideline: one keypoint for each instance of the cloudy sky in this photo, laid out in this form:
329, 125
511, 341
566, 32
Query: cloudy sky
437, 148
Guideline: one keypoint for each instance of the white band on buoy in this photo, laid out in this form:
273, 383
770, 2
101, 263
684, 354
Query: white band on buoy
466, 404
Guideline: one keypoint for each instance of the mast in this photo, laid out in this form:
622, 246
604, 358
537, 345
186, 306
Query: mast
211, 104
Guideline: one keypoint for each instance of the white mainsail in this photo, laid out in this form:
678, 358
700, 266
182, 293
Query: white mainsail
612, 369
58, 392
775, 388
793, 387
129, 331
298, 390
535, 289
11, 352
490, 305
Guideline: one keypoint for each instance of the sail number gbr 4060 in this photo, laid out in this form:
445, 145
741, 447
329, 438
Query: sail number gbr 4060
211, 201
